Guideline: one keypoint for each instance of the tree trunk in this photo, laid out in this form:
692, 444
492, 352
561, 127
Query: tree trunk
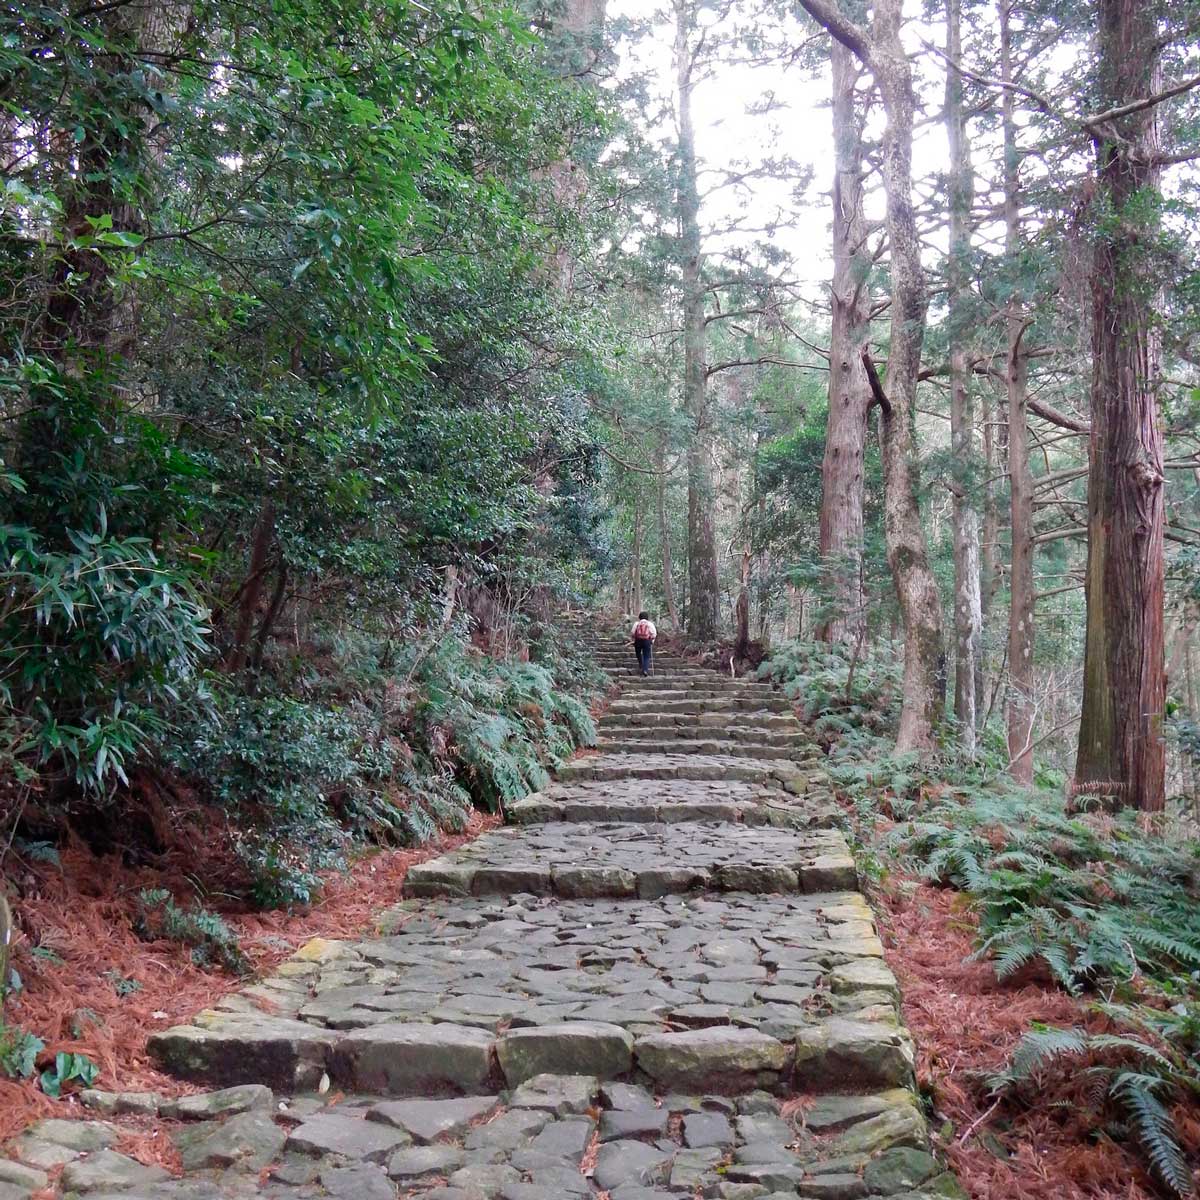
883, 53
579, 32
260, 549
636, 572
664, 539
841, 534
968, 600
741, 641
1021, 711
702, 539
988, 557
1121, 752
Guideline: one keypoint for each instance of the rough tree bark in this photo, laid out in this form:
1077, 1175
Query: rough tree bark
881, 51
1021, 710
988, 558
1121, 753
849, 390
741, 638
703, 592
968, 601
664, 539
252, 588
636, 570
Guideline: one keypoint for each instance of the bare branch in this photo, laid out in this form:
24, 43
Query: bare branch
850, 34
1136, 106
1049, 413
880, 396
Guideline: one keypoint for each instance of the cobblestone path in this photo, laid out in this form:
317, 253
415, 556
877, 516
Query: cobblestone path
660, 981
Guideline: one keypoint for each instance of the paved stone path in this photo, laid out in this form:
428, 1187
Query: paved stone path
659, 982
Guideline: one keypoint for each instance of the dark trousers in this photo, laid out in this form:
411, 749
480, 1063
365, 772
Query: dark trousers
644, 648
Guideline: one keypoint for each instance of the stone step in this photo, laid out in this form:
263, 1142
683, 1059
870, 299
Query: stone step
468, 996
627, 660
635, 746
702, 720
714, 695
646, 860
657, 704
676, 765
795, 739
675, 800
701, 679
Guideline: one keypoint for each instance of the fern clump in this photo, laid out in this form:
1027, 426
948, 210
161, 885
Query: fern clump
1089, 896
207, 935
1131, 1078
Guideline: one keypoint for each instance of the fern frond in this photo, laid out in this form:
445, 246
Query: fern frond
1136, 1094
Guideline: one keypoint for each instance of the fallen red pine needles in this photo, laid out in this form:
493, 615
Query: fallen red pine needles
84, 913
966, 1024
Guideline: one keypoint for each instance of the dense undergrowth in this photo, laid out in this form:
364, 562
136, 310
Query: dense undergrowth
1106, 906
352, 744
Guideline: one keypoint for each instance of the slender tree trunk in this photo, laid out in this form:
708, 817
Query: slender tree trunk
882, 52
968, 600
741, 641
636, 572
578, 33
274, 608
1189, 632
908, 557
703, 592
989, 551
1021, 710
260, 549
841, 534
664, 539
1121, 752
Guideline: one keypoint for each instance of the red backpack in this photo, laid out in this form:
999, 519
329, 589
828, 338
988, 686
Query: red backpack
642, 630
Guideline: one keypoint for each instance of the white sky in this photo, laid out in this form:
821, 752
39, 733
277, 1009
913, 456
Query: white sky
726, 133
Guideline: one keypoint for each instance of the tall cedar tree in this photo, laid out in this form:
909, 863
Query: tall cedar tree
882, 52
1121, 752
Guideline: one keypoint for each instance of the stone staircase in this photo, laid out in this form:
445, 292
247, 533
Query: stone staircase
658, 981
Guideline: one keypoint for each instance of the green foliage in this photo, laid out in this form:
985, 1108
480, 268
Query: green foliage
840, 693
282, 768
210, 939
18, 1051
68, 1068
506, 724
122, 985
95, 628
1092, 897
389, 743
315, 312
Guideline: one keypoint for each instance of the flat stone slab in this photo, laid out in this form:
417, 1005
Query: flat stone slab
671, 801
406, 1058
602, 766
719, 1057
636, 859
428, 1120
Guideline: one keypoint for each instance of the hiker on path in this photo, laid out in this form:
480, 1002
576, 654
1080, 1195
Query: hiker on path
644, 634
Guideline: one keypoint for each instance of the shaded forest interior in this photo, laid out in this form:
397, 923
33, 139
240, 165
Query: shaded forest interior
345, 350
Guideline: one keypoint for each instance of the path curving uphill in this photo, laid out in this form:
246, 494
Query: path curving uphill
659, 981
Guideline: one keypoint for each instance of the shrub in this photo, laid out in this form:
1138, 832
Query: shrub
210, 939
18, 1051
96, 629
